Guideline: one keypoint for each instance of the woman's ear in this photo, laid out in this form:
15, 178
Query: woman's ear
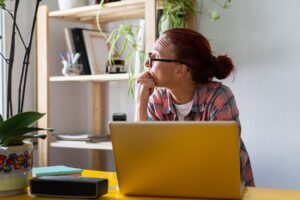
182, 69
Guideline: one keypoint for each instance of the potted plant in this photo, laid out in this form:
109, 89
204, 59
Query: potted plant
15, 153
126, 33
67, 4
174, 13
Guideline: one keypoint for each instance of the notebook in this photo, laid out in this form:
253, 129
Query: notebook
177, 159
55, 170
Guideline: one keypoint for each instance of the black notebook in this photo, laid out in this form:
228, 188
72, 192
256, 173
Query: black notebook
80, 48
67, 186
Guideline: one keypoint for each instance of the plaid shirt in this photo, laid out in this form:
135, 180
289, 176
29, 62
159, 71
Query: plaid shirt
212, 102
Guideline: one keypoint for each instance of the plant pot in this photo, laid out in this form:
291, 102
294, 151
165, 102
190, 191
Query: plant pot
67, 4
15, 169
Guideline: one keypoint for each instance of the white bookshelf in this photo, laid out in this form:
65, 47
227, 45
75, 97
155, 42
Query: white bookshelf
114, 11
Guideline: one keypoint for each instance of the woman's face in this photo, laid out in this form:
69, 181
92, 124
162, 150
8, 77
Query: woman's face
163, 73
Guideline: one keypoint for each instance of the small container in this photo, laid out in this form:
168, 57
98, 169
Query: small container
116, 66
119, 117
70, 69
67, 4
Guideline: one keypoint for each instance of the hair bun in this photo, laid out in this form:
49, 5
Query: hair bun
223, 67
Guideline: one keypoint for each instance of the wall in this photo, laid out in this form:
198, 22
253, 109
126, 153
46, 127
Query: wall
263, 39
25, 9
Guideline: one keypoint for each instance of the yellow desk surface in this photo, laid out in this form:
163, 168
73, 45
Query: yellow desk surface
250, 193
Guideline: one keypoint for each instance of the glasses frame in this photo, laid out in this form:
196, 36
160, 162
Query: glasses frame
162, 60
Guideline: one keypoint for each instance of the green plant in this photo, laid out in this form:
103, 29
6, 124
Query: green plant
214, 15
126, 33
18, 128
175, 11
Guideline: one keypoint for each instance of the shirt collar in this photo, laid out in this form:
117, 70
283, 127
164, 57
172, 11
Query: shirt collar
198, 101
169, 106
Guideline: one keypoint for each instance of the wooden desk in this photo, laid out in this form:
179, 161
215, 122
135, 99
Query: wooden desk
250, 193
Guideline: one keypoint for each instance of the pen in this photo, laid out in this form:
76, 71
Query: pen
61, 54
76, 57
69, 56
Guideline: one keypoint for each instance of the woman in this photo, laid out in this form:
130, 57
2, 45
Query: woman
182, 66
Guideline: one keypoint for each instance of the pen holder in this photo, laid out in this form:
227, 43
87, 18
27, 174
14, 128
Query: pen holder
70, 69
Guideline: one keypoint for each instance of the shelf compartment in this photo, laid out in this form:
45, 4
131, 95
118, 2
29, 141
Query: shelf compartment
82, 145
97, 78
115, 11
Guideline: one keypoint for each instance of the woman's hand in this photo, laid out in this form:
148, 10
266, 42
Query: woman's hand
145, 86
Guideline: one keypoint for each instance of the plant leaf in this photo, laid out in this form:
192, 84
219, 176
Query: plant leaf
18, 121
2, 3
214, 16
22, 131
124, 46
19, 141
1, 119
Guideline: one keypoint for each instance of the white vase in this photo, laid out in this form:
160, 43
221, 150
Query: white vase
67, 4
15, 169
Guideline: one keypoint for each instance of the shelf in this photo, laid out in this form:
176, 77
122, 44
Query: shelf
115, 11
97, 78
82, 145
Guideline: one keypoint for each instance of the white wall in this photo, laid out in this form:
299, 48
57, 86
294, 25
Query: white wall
263, 39
26, 8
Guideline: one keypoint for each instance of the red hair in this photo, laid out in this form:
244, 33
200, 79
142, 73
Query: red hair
194, 49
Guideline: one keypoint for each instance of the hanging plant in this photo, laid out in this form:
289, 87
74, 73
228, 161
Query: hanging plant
175, 13
126, 33
214, 15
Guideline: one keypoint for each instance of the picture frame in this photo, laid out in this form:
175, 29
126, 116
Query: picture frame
97, 50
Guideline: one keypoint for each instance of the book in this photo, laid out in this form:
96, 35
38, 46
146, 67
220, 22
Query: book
83, 137
69, 40
97, 50
80, 48
55, 170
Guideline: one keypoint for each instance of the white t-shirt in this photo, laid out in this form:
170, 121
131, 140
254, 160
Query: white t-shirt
183, 109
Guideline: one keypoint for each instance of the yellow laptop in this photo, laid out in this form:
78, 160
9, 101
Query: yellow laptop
177, 159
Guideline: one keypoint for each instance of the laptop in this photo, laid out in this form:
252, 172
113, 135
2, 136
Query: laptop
177, 159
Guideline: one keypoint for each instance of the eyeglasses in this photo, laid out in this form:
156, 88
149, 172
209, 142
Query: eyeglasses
162, 60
